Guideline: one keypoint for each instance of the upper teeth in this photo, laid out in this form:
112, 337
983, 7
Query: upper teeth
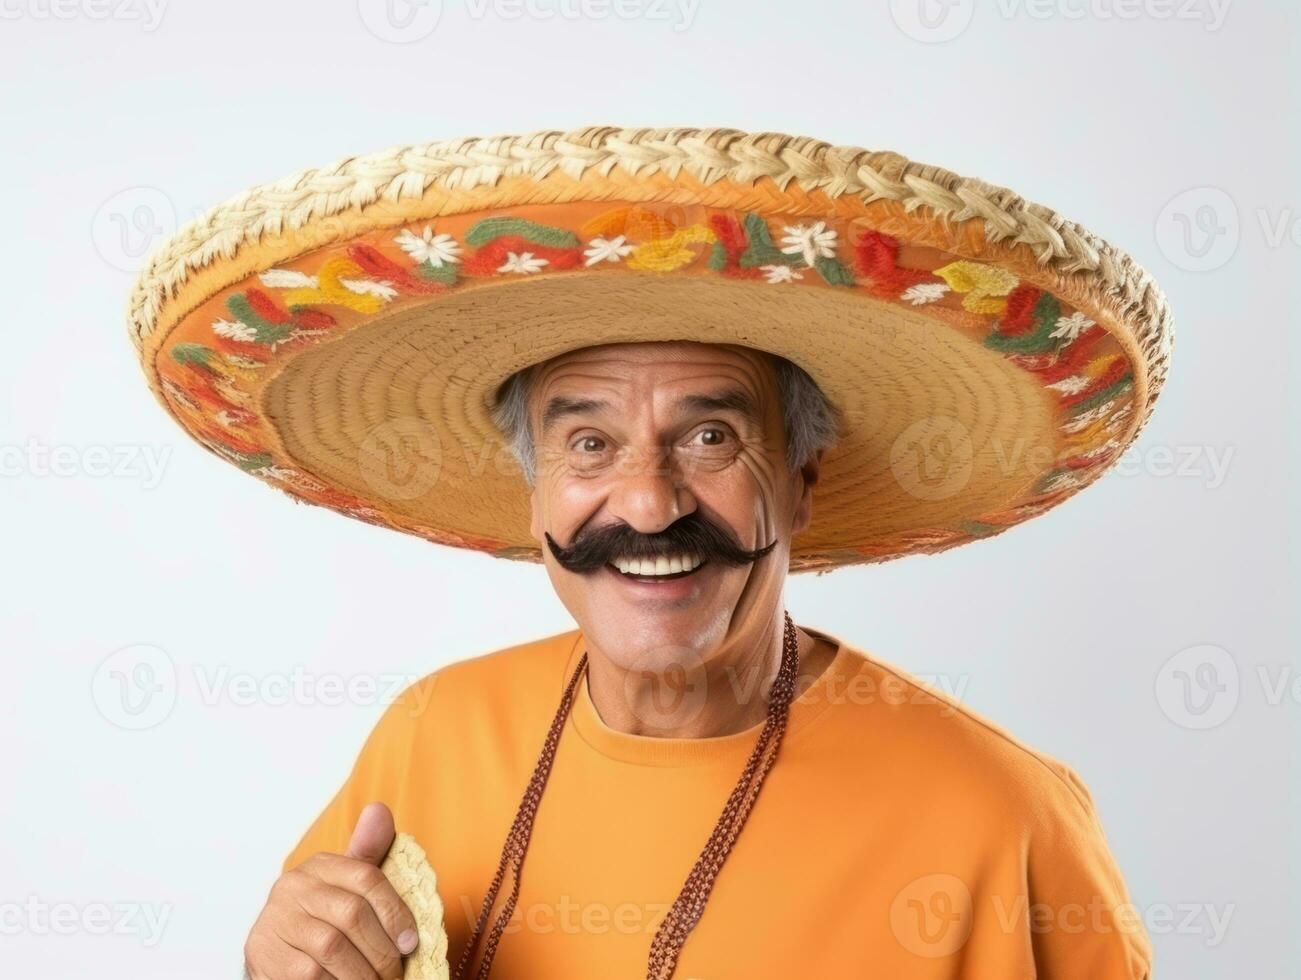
657, 566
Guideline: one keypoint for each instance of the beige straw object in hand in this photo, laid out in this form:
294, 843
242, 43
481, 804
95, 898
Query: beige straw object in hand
416, 884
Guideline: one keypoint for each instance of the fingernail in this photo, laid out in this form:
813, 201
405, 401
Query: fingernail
407, 941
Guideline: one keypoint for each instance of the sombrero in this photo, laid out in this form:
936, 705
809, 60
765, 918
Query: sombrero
341, 334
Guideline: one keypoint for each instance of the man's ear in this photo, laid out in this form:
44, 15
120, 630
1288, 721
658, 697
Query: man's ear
809, 473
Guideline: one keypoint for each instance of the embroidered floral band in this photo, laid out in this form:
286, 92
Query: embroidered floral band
215, 363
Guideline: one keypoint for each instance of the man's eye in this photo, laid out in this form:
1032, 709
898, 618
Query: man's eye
710, 437
590, 444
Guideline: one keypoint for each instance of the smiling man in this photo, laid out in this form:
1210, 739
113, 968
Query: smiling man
899, 834
716, 359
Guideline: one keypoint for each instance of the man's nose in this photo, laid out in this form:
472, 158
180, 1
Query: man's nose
649, 493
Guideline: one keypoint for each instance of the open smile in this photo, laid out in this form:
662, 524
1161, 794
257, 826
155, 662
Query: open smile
662, 569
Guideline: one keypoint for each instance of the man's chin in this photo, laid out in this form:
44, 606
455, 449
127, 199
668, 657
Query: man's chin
657, 619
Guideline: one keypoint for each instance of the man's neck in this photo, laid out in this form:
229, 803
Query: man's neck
723, 696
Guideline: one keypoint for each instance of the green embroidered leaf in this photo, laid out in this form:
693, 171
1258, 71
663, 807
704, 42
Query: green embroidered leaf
762, 251
257, 461
1103, 396
265, 332
1038, 340
489, 228
834, 272
195, 354
445, 273
978, 529
718, 257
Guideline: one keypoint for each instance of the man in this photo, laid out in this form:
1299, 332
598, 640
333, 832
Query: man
688, 784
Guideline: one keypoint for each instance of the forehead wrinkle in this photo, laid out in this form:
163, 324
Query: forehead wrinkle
737, 383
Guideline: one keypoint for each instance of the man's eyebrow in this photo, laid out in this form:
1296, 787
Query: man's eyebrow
560, 406
731, 400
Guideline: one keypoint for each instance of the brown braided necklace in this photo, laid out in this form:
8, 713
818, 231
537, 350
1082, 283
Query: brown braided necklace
689, 906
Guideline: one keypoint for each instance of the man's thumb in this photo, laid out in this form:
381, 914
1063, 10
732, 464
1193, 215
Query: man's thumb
373, 835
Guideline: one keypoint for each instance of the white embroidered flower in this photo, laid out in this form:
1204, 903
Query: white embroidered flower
780, 273
370, 287
925, 292
1070, 386
1071, 326
437, 250
234, 330
1118, 419
1079, 423
606, 249
287, 279
525, 263
810, 242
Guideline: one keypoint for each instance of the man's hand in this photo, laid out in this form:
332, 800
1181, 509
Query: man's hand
335, 917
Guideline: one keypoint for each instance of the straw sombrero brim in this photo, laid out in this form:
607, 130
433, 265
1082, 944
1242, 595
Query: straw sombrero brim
342, 334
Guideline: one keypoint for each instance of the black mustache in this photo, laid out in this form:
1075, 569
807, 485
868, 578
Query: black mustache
594, 548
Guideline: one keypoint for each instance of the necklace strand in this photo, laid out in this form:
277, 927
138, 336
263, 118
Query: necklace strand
689, 906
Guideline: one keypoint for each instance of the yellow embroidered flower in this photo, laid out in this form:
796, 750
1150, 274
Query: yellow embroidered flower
985, 287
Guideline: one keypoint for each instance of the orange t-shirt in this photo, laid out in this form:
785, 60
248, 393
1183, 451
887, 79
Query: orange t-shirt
897, 835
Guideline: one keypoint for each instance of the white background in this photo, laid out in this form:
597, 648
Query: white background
1062, 630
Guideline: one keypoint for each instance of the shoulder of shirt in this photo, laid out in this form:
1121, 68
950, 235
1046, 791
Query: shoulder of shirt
518, 676
950, 738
